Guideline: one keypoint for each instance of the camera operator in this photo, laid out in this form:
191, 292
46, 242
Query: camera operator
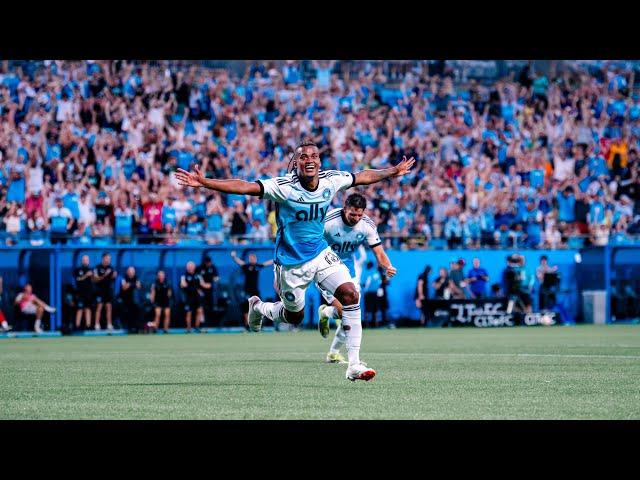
548, 278
517, 286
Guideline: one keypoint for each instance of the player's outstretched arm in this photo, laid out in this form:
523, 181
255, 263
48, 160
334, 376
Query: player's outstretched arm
197, 179
367, 177
383, 261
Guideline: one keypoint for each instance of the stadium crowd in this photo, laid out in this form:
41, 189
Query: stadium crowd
87, 150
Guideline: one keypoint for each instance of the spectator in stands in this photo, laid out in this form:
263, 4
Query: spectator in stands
13, 223
483, 145
60, 222
130, 313
477, 279
31, 307
84, 297
103, 277
160, 296
239, 222
192, 284
422, 294
251, 272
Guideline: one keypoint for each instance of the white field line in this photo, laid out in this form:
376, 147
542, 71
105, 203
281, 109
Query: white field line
404, 354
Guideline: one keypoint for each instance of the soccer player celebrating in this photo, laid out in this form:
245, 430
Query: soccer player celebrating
302, 254
345, 229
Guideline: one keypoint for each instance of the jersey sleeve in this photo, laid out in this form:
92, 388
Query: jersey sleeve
373, 239
276, 189
340, 179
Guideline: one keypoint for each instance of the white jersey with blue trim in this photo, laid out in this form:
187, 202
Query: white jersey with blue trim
300, 213
345, 240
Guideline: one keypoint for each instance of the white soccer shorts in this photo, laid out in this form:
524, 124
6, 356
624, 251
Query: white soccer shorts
326, 270
328, 296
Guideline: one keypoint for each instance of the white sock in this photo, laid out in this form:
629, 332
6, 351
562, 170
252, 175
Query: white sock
37, 324
4, 324
339, 340
273, 311
352, 324
330, 312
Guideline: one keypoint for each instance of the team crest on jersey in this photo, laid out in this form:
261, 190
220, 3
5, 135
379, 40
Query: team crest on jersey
326, 194
359, 237
289, 296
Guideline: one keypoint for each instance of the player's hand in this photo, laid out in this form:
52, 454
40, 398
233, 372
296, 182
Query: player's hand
233, 253
391, 271
404, 166
189, 179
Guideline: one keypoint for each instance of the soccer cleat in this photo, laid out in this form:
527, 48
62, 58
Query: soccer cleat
49, 309
255, 317
360, 371
335, 358
97, 327
323, 322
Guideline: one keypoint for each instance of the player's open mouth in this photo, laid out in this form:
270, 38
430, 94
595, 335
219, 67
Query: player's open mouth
310, 168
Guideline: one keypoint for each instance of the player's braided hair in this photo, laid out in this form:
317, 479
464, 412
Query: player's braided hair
291, 167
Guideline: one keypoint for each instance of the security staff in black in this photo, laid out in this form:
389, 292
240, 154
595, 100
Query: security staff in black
130, 313
251, 272
103, 278
209, 274
84, 292
192, 284
160, 296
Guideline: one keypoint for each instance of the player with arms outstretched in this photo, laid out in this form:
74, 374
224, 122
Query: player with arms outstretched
302, 255
345, 229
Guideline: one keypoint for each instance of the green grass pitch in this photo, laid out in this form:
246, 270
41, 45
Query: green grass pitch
582, 372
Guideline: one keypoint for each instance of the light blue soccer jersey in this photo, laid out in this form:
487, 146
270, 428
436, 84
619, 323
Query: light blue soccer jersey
300, 213
345, 240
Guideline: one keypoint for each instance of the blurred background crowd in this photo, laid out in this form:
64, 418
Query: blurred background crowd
526, 157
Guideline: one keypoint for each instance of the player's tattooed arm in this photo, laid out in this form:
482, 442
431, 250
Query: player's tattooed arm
197, 179
383, 261
367, 177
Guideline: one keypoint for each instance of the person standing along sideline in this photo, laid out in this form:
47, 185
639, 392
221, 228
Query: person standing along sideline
130, 311
160, 297
192, 284
104, 276
251, 272
546, 295
422, 295
441, 285
477, 279
209, 273
83, 276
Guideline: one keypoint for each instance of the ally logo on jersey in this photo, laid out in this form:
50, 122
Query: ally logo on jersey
300, 213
